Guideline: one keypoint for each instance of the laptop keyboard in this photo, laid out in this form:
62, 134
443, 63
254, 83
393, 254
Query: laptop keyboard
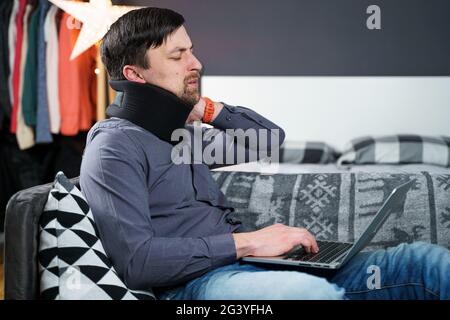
328, 252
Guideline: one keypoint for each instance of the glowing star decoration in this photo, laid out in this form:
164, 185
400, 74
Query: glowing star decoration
96, 15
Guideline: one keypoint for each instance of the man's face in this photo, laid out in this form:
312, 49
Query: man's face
174, 67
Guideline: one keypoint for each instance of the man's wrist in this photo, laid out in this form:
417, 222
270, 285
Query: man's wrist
243, 244
217, 109
211, 110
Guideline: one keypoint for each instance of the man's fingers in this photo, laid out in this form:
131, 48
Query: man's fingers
309, 242
306, 244
314, 245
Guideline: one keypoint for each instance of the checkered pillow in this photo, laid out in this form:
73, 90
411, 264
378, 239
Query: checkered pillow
398, 149
307, 152
72, 262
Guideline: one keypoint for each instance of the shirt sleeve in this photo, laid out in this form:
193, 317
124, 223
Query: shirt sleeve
113, 180
238, 135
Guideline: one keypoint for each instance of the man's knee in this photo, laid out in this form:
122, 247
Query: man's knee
417, 250
420, 254
303, 286
272, 285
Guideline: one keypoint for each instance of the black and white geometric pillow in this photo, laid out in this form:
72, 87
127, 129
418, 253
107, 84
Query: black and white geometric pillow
398, 149
72, 262
307, 152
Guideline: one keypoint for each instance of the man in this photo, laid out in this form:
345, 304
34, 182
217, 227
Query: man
166, 225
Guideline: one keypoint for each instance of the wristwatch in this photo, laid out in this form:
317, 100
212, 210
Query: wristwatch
209, 110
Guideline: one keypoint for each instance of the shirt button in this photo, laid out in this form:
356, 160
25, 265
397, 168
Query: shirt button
228, 118
233, 221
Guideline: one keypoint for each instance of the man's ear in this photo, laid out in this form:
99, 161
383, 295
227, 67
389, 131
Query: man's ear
132, 74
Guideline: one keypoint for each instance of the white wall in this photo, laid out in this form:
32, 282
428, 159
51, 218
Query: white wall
337, 109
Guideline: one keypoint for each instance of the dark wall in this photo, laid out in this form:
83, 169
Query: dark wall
316, 37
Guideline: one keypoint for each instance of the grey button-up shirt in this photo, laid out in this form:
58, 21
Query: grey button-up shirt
161, 223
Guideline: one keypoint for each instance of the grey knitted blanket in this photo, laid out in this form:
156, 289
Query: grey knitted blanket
338, 206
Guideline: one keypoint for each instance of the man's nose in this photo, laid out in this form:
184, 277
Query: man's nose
195, 64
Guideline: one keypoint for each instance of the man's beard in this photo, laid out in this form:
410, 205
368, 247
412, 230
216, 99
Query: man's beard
191, 95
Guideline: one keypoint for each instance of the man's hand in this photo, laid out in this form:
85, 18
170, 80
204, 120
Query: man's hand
199, 109
273, 241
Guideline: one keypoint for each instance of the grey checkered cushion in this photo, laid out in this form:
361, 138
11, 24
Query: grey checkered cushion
72, 262
398, 149
307, 152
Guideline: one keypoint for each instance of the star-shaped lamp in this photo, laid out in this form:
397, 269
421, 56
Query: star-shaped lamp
96, 15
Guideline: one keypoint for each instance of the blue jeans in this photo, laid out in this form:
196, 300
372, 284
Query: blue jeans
408, 271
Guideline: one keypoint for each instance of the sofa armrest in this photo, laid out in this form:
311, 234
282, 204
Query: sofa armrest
23, 212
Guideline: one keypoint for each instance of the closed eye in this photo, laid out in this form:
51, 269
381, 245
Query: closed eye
181, 50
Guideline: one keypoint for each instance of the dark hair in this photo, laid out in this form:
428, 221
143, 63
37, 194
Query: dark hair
129, 38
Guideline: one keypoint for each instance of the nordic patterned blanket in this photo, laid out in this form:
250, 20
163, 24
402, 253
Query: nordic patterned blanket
339, 206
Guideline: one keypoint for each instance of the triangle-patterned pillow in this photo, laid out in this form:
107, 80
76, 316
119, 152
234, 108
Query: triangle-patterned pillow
72, 262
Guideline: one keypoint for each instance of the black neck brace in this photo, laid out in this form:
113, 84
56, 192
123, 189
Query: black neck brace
150, 107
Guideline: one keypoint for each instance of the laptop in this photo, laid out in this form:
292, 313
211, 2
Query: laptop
333, 255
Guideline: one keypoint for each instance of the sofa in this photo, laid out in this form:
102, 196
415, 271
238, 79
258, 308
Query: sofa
333, 206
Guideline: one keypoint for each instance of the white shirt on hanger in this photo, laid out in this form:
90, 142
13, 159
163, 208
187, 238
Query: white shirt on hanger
51, 40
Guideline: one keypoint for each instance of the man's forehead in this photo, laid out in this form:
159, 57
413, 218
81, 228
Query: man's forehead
179, 40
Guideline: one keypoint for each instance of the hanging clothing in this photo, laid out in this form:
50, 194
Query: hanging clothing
18, 169
24, 134
68, 85
102, 88
12, 33
9, 181
43, 134
29, 91
6, 8
51, 65
17, 64
88, 87
68, 154
77, 84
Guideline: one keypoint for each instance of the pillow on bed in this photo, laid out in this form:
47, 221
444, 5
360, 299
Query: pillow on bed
307, 152
398, 149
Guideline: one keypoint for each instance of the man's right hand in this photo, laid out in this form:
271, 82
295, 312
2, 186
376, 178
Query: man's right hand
273, 241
